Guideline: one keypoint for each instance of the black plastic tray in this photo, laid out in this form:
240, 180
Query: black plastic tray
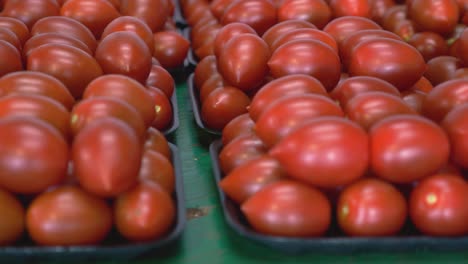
111, 249
175, 115
196, 107
337, 244
178, 16
191, 59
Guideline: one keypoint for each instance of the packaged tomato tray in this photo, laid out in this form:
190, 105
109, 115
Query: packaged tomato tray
334, 241
175, 115
191, 59
114, 247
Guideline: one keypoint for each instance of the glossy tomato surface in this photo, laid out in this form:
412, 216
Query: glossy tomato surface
239, 151
13, 222
443, 97
316, 12
259, 14
455, 125
156, 167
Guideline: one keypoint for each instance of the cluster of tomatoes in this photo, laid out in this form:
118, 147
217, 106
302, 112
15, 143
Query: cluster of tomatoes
85, 88
346, 111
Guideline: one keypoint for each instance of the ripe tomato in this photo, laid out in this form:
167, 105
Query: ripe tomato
442, 68
430, 44
378, 8
455, 125
238, 126
316, 12
153, 12
240, 150
205, 68
162, 79
10, 37
277, 30
74, 67
68, 215
228, 32
350, 8
436, 16
288, 208
444, 97
259, 14
318, 152
463, 46
342, 27
113, 145
156, 141
12, 224
293, 84
305, 33
162, 108
33, 155
16, 26
214, 82
371, 207
286, 114
145, 212
11, 58
437, 205
217, 8
405, 148
45, 38
29, 11
124, 53
157, 168
414, 99
170, 48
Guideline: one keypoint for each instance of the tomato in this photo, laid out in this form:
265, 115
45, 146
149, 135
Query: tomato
205, 68
65, 26
392, 60
11, 58
442, 68
350, 8
46, 38
94, 14
145, 212
30, 82
131, 24
51, 221
156, 141
341, 27
286, 114
228, 32
394, 15
157, 168
455, 125
162, 79
405, 148
124, 88
214, 82
162, 107
444, 97
94, 108
124, 53
238, 126
222, 105
430, 44
170, 48
277, 30
152, 12
247, 179
16, 26
318, 152
218, 7
29, 11
309, 57
113, 145
259, 14
74, 67
378, 8
414, 99
240, 150
371, 207
243, 61
438, 205
12, 224
463, 46
315, 12
423, 85
34, 155
10, 37
369, 107
436, 16
305, 33
288, 208
352, 86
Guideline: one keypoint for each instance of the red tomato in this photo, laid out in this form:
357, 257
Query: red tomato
288, 208
286, 114
392, 60
162, 108
239, 151
34, 155
214, 82
10, 37
12, 224
318, 152
85, 221
422, 85
238, 126
455, 125
438, 205
157, 168
259, 14
371, 207
74, 67
414, 99
305, 33
113, 145
277, 30
94, 14
46, 38
30, 82
293, 84
463, 46
430, 44
309, 57
227, 33
342, 27
11, 58
162, 79
444, 97
152, 12
145, 212
316, 12
394, 15
217, 8
170, 48
243, 61
156, 141
405, 148
205, 68
16, 26
442, 68
378, 8
436, 16
124, 53
29, 11
350, 8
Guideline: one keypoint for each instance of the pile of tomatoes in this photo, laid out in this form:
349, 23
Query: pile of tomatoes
84, 103
352, 112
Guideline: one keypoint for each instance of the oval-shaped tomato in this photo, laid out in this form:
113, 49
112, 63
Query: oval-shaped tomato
414, 99
436, 16
74, 67
85, 221
277, 30
153, 12
11, 58
442, 68
305, 33
156, 141
162, 79
205, 68
45, 38
317, 12
405, 148
170, 48
288, 208
228, 32
438, 205
238, 126
430, 44
113, 145
371, 207
162, 108
360, 8
444, 97
10, 37
214, 82
33, 155
342, 27
318, 152
145, 212
455, 125
12, 224
16, 26
29, 11
259, 14
307, 56
378, 8
157, 168
240, 150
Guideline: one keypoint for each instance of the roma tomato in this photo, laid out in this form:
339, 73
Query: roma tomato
33, 155
156, 141
162, 108
414, 99
162, 79
10, 37
11, 58
318, 152
214, 82
16, 26
342, 27
305, 33
228, 32
455, 124
239, 151
205, 68
13, 223
29, 11
360, 8
436, 16
288, 208
430, 44
444, 97
153, 12
405, 148
378, 8
442, 68
86, 222
145, 212
156, 167
371, 207
46, 38
170, 48
316, 12
107, 142
277, 30
238, 126
438, 205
